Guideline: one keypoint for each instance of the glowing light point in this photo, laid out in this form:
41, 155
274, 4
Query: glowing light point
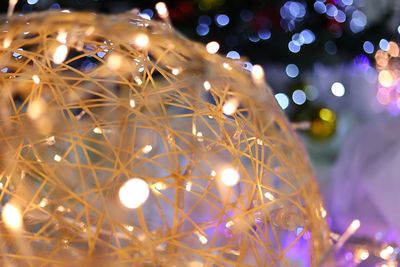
114, 61
97, 130
57, 158
147, 148
162, 10
60, 54
36, 79
175, 71
12, 217
36, 109
141, 40
385, 78
230, 177
188, 186
230, 106
207, 85
6, 43
43, 203
338, 89
269, 196
354, 225
212, 47
257, 73
134, 193
132, 103
62, 37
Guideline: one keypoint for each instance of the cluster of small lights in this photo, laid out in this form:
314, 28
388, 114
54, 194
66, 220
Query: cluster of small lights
299, 39
135, 192
292, 12
341, 11
388, 93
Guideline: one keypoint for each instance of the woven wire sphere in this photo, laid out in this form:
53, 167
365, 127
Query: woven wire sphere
124, 143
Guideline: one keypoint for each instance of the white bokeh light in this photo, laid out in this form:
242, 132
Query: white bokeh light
212, 47
134, 193
230, 177
338, 89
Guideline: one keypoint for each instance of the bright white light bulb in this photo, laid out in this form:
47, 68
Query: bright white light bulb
212, 47
230, 177
230, 106
132, 103
207, 85
60, 54
134, 193
162, 10
57, 158
175, 71
12, 217
141, 40
62, 37
147, 148
36, 79
338, 89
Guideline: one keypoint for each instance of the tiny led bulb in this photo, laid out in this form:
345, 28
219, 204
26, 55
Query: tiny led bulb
141, 40
36, 79
60, 54
230, 106
134, 193
207, 85
62, 37
212, 47
6, 42
114, 61
162, 10
257, 73
230, 177
12, 217
36, 109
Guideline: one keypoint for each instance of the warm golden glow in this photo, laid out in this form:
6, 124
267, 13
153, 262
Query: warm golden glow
12, 217
218, 175
141, 40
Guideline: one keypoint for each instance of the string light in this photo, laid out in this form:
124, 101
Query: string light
142, 107
134, 193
